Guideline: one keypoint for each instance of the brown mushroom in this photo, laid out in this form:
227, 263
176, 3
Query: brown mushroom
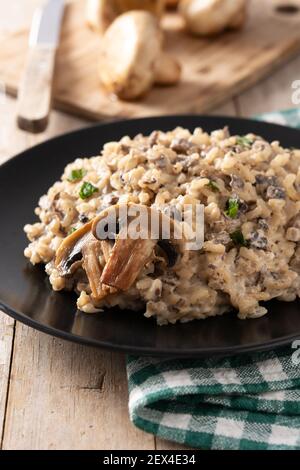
81, 249
101, 13
69, 254
91, 253
129, 255
208, 17
132, 60
125, 252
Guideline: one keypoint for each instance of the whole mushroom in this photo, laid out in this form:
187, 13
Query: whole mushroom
209, 17
101, 13
132, 59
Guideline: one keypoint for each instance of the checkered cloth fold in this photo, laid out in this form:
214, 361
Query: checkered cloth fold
245, 402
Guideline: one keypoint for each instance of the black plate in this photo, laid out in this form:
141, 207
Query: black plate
25, 293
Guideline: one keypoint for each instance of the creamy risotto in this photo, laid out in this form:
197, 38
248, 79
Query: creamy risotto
251, 193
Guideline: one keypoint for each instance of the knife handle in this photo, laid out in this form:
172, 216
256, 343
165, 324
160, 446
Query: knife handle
35, 92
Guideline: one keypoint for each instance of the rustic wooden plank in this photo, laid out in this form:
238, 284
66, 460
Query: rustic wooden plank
6, 344
213, 69
66, 396
10, 142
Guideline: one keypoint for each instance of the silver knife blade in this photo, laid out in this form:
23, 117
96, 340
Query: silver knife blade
46, 24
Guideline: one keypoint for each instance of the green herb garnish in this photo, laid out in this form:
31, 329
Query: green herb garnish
72, 230
87, 190
244, 141
232, 208
213, 186
76, 175
238, 238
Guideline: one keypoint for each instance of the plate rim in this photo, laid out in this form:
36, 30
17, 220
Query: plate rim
145, 350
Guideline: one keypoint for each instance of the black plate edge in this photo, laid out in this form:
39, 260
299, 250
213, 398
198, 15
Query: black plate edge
144, 351
101, 125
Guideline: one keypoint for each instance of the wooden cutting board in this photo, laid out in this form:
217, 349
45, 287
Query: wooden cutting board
213, 69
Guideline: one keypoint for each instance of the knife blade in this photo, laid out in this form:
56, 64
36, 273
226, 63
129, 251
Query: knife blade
35, 91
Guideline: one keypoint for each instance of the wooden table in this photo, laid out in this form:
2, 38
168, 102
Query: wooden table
58, 395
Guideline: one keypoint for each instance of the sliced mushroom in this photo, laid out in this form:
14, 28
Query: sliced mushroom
208, 17
91, 252
132, 60
69, 254
125, 252
106, 247
126, 261
101, 13
129, 255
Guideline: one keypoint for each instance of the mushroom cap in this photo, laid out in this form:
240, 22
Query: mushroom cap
130, 48
154, 6
101, 13
206, 17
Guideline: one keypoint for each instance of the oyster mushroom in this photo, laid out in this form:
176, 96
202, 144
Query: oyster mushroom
132, 60
81, 249
129, 255
209, 17
101, 13
69, 254
125, 253
91, 253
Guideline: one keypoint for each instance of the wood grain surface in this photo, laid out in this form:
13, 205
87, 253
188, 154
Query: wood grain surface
213, 69
55, 394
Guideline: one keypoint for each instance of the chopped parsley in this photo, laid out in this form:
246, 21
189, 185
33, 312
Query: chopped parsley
244, 141
72, 230
238, 238
232, 208
213, 186
87, 190
76, 175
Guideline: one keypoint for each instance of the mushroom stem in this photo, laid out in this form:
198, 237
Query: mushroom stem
167, 70
91, 264
126, 261
106, 249
131, 58
69, 252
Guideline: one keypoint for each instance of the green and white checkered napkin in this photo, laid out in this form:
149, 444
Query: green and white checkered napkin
245, 402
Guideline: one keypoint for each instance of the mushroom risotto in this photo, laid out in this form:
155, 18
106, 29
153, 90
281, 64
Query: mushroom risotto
250, 190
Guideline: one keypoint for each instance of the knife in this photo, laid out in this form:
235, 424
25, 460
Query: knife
35, 91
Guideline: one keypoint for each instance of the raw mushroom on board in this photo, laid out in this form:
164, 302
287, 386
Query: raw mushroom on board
101, 13
132, 59
209, 17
